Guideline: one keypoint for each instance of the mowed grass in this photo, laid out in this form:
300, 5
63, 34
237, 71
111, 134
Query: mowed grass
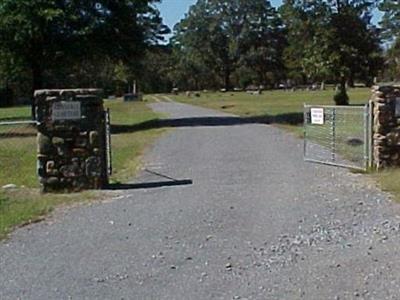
15, 113
285, 107
389, 181
129, 139
18, 162
17, 148
286, 110
25, 206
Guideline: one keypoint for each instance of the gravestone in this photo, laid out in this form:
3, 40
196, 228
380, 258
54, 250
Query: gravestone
71, 140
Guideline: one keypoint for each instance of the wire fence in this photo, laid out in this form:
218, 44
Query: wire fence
337, 135
334, 135
18, 153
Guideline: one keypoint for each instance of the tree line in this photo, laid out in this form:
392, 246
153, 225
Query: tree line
218, 44
75, 43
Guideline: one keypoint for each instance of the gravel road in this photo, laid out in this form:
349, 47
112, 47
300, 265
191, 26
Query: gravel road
257, 223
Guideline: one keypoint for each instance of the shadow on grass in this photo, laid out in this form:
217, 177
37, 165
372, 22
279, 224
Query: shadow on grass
289, 119
10, 135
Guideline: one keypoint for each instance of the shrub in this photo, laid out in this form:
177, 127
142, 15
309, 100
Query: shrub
6, 97
341, 97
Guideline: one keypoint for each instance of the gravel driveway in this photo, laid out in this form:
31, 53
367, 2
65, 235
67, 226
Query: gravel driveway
257, 223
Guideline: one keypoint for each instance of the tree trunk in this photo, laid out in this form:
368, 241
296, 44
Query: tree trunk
262, 78
343, 83
341, 97
37, 84
369, 82
350, 81
227, 79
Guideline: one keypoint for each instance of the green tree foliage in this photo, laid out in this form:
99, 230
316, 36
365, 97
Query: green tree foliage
359, 53
331, 40
391, 33
109, 44
223, 35
391, 19
156, 67
59, 36
306, 56
341, 97
392, 63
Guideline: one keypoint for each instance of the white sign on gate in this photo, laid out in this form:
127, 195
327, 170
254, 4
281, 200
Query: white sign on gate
317, 116
66, 111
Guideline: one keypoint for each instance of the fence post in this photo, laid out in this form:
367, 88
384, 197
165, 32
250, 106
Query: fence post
108, 142
333, 131
366, 136
305, 117
71, 139
370, 134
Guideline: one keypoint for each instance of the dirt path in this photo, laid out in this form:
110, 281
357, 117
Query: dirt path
257, 223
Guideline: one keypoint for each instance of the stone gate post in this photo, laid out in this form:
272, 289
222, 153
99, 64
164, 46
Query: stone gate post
386, 125
71, 139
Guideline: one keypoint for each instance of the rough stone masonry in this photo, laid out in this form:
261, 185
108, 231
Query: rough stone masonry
386, 125
71, 139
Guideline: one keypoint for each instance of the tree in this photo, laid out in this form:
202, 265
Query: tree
261, 41
357, 50
223, 35
307, 25
156, 66
391, 19
391, 33
332, 40
391, 70
42, 35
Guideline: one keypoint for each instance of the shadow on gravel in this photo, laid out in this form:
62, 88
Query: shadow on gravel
289, 118
148, 185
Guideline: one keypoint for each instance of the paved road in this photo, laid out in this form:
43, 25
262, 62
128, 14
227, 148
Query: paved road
257, 223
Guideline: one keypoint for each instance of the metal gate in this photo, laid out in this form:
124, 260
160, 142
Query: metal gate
108, 142
338, 135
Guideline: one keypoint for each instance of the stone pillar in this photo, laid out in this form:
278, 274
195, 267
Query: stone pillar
71, 140
386, 126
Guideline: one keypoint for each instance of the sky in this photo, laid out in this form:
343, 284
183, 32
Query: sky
173, 11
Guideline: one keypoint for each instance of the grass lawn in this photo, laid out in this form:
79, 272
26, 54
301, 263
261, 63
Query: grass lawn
18, 162
285, 109
24, 206
17, 148
129, 139
281, 107
389, 181
15, 113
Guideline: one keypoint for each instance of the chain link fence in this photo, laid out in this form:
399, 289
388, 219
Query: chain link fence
338, 135
18, 153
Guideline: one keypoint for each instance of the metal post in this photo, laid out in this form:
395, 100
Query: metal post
305, 116
370, 134
108, 142
366, 133
333, 131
